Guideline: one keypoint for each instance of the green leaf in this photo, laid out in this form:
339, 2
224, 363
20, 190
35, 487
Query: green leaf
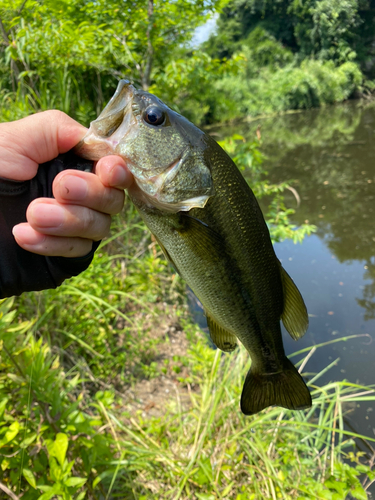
96, 481
333, 484
54, 490
228, 489
5, 464
2, 405
75, 481
44, 487
27, 441
11, 433
55, 469
59, 447
359, 493
29, 476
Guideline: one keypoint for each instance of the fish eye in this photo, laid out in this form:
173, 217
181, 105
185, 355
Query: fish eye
154, 115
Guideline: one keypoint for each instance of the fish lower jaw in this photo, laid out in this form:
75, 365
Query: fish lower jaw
94, 148
157, 201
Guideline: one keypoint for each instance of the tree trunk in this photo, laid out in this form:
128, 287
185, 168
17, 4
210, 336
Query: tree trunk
146, 76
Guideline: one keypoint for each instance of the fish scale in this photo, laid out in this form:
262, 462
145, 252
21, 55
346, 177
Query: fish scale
210, 227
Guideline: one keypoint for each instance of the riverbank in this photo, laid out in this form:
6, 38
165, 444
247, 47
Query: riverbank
109, 389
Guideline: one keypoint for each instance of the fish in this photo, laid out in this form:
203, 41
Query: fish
210, 227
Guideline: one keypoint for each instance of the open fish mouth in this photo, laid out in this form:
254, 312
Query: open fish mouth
111, 126
169, 169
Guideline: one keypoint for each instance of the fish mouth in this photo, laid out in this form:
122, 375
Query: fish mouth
117, 125
112, 125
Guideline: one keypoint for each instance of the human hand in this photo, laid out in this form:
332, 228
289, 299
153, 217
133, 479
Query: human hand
83, 202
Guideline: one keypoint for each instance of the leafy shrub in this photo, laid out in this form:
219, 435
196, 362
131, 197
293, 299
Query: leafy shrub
50, 445
313, 84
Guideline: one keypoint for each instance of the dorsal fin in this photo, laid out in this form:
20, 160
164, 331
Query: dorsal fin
294, 316
223, 339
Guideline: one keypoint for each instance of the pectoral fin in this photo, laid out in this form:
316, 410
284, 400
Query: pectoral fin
167, 256
294, 316
206, 241
223, 339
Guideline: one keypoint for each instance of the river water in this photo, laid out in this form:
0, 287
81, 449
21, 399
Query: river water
330, 155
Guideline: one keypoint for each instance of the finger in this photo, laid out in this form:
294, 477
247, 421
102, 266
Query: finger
36, 139
113, 171
53, 246
82, 188
47, 216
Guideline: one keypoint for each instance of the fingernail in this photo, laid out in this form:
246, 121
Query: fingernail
26, 235
119, 177
46, 215
73, 188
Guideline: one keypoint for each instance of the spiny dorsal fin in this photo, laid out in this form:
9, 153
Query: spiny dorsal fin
294, 316
223, 339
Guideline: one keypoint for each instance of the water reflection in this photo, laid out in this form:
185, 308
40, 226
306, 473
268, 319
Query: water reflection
368, 300
330, 153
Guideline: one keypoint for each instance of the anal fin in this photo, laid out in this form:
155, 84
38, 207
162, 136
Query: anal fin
224, 340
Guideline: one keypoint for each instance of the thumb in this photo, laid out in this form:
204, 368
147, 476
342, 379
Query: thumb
26, 143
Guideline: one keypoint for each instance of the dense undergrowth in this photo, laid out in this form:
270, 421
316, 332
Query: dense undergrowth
72, 427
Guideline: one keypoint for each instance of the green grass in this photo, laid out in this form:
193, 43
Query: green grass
72, 427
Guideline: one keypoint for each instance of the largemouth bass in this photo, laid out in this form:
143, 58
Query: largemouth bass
209, 225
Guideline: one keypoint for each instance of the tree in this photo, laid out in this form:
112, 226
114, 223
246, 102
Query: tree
338, 30
53, 46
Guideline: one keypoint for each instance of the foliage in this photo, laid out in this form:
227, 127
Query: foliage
62, 438
323, 29
264, 57
313, 84
92, 44
49, 444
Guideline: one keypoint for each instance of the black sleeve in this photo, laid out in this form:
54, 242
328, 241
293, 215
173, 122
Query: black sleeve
22, 271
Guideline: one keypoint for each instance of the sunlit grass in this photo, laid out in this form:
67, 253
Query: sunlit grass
210, 450
69, 428
200, 446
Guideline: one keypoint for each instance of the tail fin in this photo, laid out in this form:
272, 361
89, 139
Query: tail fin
285, 388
